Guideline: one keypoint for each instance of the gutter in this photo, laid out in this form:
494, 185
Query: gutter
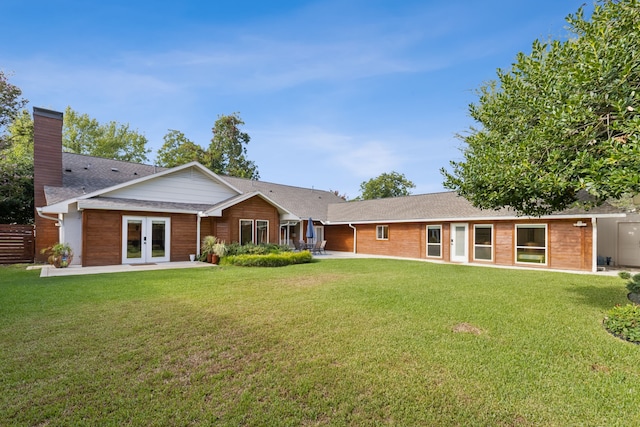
41, 215
59, 223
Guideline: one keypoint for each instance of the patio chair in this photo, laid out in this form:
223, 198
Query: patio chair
319, 247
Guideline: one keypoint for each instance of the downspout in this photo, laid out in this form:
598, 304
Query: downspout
594, 244
355, 238
199, 216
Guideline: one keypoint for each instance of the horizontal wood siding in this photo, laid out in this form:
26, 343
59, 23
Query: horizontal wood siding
504, 239
184, 230
17, 244
47, 170
405, 240
227, 227
568, 247
102, 236
339, 238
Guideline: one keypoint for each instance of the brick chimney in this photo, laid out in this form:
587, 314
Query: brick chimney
47, 170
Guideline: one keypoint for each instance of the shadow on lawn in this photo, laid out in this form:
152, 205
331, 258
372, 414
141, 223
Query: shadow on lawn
600, 297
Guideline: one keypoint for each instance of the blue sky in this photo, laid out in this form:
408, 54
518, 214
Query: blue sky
332, 93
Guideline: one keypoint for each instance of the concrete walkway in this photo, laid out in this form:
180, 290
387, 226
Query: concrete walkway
50, 271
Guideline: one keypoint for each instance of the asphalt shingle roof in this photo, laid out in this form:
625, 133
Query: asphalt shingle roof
85, 174
303, 202
434, 206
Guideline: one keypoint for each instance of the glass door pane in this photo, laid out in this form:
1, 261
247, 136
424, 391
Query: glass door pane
158, 239
134, 239
461, 232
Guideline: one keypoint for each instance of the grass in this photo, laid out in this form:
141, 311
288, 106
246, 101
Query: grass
336, 342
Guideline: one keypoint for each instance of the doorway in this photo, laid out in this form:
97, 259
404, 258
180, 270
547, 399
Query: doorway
145, 239
459, 242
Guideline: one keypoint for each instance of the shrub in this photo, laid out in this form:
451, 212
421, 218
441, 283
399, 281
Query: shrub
624, 322
268, 260
251, 249
624, 275
633, 285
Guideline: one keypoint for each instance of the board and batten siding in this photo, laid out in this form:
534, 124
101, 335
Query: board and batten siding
184, 186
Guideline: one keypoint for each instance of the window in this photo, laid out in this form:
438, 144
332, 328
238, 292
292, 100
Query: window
483, 242
262, 231
434, 241
382, 232
246, 231
531, 243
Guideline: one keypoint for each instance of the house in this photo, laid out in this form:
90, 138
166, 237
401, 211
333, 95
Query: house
114, 212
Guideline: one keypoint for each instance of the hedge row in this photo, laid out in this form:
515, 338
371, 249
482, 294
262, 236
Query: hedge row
269, 260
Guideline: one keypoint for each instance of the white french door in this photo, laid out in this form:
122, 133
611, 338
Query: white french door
145, 239
459, 242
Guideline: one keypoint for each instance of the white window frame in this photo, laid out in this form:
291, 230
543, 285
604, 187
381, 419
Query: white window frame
380, 232
477, 245
545, 247
434, 227
253, 234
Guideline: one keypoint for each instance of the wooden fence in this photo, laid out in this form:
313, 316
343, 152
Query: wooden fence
17, 243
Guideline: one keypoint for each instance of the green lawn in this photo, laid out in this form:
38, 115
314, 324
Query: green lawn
336, 342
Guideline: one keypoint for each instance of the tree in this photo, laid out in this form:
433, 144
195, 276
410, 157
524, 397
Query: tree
227, 151
16, 157
178, 150
16, 172
392, 184
10, 101
562, 123
85, 135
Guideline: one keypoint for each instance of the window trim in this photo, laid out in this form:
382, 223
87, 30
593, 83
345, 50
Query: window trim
257, 230
383, 228
476, 245
252, 231
434, 227
545, 226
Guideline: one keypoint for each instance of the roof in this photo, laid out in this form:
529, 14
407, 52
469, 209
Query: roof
434, 207
303, 202
83, 174
87, 174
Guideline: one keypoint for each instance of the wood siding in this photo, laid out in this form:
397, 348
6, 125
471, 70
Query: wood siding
102, 236
17, 244
568, 247
227, 227
47, 166
339, 238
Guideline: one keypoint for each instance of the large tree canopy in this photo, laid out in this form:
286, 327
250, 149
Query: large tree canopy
11, 101
178, 150
561, 123
385, 185
227, 151
225, 155
85, 135
16, 165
